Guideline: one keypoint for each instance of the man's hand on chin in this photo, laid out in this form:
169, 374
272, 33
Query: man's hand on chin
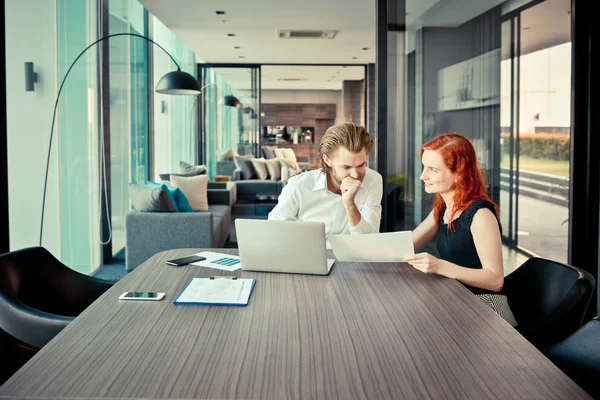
349, 187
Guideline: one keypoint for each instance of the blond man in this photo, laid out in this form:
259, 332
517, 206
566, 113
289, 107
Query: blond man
343, 193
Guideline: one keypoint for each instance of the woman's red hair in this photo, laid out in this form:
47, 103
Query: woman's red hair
458, 154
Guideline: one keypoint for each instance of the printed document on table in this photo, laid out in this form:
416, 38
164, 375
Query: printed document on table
375, 247
218, 291
225, 262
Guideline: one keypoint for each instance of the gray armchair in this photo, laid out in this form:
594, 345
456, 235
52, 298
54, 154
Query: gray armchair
148, 233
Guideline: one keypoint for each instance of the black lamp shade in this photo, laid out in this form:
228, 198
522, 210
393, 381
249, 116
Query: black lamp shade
178, 82
231, 101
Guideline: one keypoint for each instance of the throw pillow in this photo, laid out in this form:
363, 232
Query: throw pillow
195, 190
166, 177
244, 163
285, 163
226, 155
260, 166
150, 198
287, 173
278, 152
164, 187
294, 172
186, 168
181, 202
274, 169
291, 157
269, 152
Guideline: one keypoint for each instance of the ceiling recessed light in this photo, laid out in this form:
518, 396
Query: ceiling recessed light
242, 57
365, 48
219, 12
355, 58
237, 47
231, 34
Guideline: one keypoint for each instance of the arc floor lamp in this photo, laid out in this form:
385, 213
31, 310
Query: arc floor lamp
175, 82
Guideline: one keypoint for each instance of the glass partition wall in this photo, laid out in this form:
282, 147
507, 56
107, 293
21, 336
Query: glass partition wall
129, 93
102, 133
535, 128
226, 128
501, 76
174, 120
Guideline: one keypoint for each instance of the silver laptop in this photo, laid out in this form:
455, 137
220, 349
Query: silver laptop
296, 247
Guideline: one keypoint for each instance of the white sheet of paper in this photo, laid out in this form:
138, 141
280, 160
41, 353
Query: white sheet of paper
218, 261
217, 291
376, 247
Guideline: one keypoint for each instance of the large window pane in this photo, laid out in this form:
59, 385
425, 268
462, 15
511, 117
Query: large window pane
175, 137
544, 108
229, 130
77, 137
128, 110
501, 76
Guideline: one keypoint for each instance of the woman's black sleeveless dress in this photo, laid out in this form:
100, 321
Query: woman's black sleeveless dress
458, 247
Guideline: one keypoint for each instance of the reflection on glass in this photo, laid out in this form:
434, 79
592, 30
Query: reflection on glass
282, 134
229, 131
128, 71
544, 113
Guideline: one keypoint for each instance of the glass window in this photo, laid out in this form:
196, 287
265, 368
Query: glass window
129, 143
229, 129
78, 137
175, 137
501, 76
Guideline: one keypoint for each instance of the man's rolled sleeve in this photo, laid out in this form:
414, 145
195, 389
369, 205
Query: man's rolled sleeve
370, 211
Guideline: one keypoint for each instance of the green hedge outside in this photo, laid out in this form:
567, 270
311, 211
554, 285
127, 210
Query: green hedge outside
548, 146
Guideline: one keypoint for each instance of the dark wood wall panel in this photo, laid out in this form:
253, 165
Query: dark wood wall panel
320, 116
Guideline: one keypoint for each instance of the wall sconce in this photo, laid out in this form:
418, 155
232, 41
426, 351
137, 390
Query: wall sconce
30, 77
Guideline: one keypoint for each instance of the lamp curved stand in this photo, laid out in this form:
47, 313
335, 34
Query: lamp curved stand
58, 97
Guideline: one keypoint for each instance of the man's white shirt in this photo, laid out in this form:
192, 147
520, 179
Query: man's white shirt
306, 198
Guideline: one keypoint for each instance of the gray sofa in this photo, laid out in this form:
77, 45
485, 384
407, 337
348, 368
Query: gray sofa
247, 189
148, 233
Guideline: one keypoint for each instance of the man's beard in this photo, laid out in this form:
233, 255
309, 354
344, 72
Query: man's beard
338, 181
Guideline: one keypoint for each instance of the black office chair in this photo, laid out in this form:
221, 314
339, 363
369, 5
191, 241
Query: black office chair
579, 357
39, 296
548, 299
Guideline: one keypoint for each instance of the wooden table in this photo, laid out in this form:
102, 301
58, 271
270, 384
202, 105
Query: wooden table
368, 331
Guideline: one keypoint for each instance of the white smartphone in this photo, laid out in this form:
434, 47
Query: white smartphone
142, 296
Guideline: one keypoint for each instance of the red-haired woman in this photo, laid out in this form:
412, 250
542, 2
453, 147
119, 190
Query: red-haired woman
464, 222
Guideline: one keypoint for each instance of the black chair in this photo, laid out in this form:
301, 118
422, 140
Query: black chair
579, 357
39, 296
548, 299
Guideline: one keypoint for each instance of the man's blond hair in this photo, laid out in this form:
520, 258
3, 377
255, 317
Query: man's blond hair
353, 137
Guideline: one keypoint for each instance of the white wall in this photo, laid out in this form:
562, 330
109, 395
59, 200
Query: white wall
305, 97
31, 36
